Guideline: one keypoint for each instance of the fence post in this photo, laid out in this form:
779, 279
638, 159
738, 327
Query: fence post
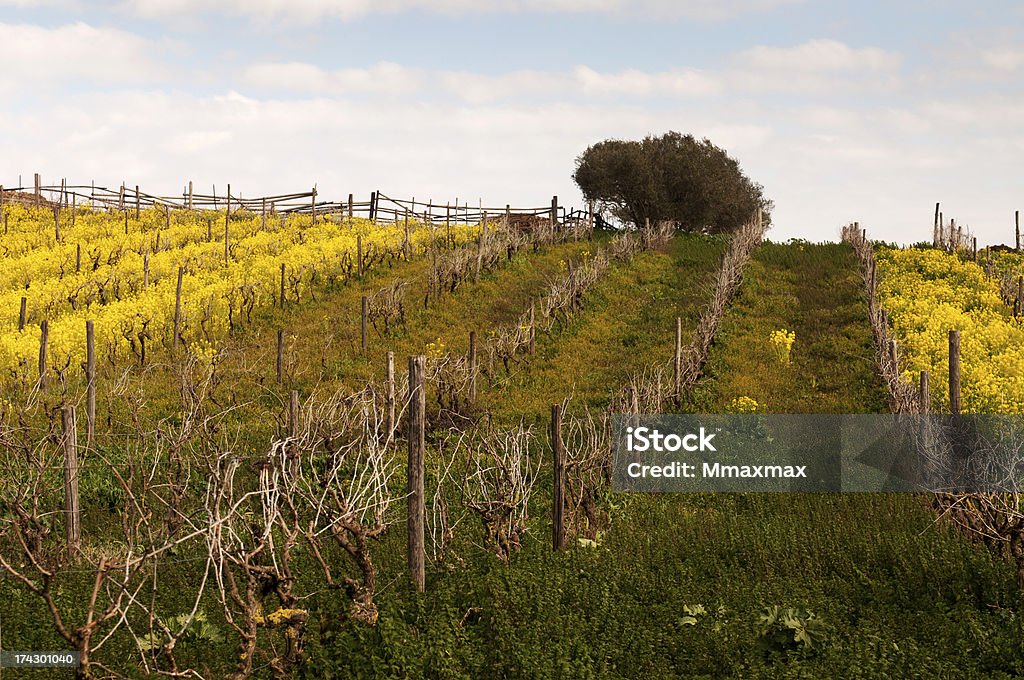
38, 184
677, 363
416, 437
227, 220
293, 414
923, 395
90, 382
373, 204
936, 237
554, 211
558, 494
350, 206
954, 372
312, 207
145, 270
480, 251
22, 313
190, 194
177, 310
359, 255
44, 341
1020, 296
974, 248
71, 507
472, 367
282, 286
1016, 220
363, 323
138, 203
280, 354
533, 334
390, 394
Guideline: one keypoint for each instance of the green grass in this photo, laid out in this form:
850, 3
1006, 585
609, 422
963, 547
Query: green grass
902, 596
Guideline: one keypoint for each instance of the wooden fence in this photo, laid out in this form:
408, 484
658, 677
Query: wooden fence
379, 206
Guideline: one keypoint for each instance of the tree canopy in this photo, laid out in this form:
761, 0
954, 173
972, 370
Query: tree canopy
672, 177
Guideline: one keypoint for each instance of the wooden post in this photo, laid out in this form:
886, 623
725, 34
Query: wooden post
177, 310
44, 341
479, 252
558, 494
974, 248
227, 220
293, 414
533, 334
935, 229
312, 205
416, 439
923, 396
125, 222
554, 210
892, 353
373, 204
78, 258
138, 203
472, 367
350, 206
72, 516
363, 322
1016, 221
280, 354
677, 362
282, 286
359, 255
954, 372
22, 313
190, 194
1020, 296
90, 382
38, 186
389, 395
145, 270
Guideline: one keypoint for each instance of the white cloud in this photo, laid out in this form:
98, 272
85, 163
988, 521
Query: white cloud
632, 82
75, 52
817, 56
581, 82
479, 88
311, 10
816, 66
1003, 59
382, 78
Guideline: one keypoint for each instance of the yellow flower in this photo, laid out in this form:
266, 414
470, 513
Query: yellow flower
743, 405
782, 344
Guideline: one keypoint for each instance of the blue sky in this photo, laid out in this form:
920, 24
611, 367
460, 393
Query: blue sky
844, 111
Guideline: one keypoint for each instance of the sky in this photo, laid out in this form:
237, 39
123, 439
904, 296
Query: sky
844, 111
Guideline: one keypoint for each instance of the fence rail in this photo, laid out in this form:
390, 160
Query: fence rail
379, 207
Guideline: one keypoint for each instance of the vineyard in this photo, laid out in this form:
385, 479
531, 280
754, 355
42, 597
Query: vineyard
288, 440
